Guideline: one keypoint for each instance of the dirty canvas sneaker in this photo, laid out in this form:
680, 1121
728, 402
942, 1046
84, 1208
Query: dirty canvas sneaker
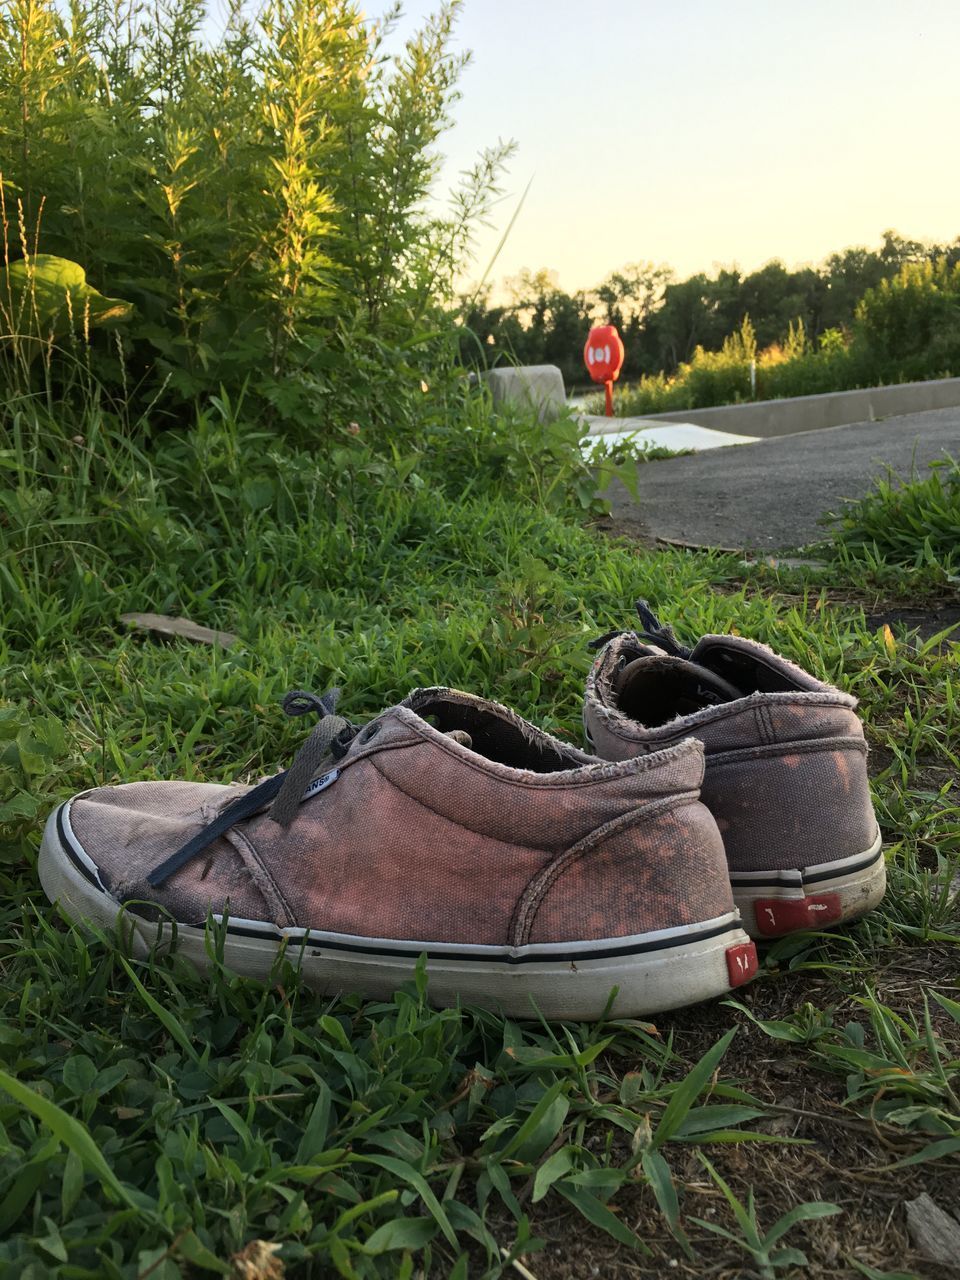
530, 874
786, 772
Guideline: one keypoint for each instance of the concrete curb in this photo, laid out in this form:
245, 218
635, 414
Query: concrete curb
768, 418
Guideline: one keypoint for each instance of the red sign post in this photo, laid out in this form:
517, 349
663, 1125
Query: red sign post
603, 356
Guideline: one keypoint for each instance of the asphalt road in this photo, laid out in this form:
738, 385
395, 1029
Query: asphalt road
770, 495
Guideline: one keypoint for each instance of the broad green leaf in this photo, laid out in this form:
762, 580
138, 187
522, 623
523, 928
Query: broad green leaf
79, 1073
164, 1016
702, 1119
945, 1147
257, 493
949, 1006
191, 1247
72, 1183
21, 806
52, 1242
500, 1179
50, 296
800, 1213
560, 1163
602, 1179
406, 1172
540, 1127
632, 1086
658, 1174
775, 1028
735, 1136
661, 1182
71, 1133
340, 1257
315, 1134
365, 1207
402, 1233
21, 1192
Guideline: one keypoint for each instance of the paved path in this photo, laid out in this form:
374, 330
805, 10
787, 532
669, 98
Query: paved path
769, 495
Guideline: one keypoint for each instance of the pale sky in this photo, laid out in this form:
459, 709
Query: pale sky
701, 133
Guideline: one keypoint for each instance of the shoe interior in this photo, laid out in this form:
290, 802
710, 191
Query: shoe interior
493, 732
750, 670
657, 689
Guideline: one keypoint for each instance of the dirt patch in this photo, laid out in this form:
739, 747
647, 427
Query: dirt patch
847, 1162
926, 621
625, 526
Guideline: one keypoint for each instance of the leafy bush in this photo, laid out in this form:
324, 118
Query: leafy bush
721, 377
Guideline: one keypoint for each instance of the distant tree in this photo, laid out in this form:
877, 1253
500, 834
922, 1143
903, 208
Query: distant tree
775, 297
632, 294
628, 298
681, 323
896, 252
848, 276
538, 324
725, 304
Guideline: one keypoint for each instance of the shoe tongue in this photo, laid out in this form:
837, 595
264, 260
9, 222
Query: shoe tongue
657, 689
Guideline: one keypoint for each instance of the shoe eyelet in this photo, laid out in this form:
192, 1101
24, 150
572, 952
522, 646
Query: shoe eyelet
370, 731
621, 662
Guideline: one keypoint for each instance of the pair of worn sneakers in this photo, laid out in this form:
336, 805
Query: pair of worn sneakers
727, 796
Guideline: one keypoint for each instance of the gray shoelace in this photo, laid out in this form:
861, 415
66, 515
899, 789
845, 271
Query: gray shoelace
330, 738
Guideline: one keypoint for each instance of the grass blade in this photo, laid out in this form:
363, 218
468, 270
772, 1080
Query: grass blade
600, 1215
688, 1090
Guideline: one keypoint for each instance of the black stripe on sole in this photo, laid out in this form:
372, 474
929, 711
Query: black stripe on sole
68, 849
552, 957
802, 879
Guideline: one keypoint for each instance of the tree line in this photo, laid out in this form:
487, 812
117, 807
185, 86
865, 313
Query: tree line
664, 320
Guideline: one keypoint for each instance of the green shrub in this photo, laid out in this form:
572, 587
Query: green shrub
723, 377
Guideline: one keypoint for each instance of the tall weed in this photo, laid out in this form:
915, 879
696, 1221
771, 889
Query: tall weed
259, 197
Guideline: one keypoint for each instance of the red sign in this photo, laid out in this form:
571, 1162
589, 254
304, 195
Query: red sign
603, 356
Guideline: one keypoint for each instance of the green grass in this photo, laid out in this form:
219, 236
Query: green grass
156, 1122
914, 522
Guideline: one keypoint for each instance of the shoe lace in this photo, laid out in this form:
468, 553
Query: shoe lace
653, 631
329, 739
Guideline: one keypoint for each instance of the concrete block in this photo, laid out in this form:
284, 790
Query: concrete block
534, 386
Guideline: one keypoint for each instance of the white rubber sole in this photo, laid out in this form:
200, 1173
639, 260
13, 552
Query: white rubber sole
773, 903
653, 971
